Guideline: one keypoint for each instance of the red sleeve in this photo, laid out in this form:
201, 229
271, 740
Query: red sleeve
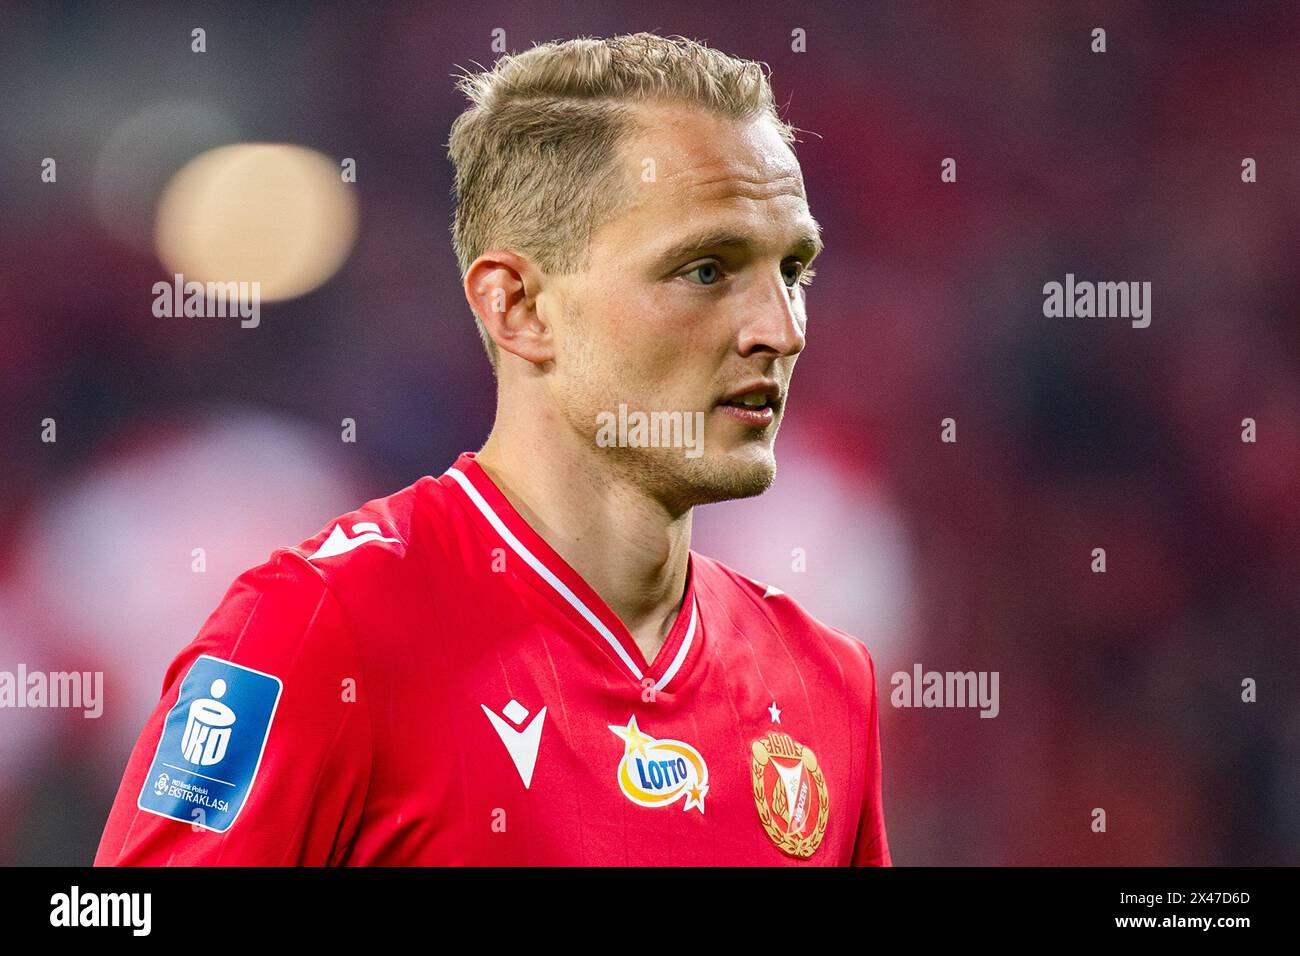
306, 775
872, 846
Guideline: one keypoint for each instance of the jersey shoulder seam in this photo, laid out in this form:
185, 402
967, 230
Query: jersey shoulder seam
349, 640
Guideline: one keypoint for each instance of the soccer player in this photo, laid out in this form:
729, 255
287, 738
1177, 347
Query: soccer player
521, 660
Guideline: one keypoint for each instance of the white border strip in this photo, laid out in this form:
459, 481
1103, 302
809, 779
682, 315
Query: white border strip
550, 578
681, 651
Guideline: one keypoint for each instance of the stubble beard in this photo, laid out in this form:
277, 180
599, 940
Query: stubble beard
680, 483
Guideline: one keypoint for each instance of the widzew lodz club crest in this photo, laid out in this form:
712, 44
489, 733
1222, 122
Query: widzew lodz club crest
790, 794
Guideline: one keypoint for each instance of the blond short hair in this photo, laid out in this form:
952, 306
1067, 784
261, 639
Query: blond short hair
534, 153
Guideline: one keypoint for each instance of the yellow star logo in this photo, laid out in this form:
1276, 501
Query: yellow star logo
695, 797
633, 739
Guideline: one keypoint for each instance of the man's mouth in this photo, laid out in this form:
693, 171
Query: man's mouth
754, 406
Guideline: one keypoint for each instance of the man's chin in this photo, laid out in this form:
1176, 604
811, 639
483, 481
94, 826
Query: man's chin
743, 473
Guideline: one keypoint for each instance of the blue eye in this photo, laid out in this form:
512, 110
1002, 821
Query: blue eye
716, 272
795, 273
802, 274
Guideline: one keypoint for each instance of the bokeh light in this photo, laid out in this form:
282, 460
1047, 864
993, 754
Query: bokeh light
271, 213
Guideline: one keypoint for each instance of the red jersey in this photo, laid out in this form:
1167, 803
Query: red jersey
427, 682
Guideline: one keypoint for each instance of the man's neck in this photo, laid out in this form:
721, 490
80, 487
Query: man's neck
624, 544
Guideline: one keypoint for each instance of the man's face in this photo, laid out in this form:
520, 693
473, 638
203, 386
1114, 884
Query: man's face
690, 301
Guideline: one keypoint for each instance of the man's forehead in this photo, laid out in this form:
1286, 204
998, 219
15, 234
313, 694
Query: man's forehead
686, 166
701, 155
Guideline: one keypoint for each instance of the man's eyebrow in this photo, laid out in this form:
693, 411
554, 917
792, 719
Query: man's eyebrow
807, 242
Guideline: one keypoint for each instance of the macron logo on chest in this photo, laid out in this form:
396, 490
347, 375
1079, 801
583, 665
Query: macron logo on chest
522, 743
339, 543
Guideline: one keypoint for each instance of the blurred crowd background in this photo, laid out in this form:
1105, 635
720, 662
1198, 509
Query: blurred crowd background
1119, 690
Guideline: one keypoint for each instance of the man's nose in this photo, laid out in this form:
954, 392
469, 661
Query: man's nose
775, 319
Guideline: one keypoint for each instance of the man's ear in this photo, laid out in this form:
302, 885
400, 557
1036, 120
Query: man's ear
503, 290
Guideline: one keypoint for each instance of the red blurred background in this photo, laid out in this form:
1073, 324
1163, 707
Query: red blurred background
1119, 690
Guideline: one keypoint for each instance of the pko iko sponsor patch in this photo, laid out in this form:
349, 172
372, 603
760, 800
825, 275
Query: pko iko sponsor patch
211, 745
